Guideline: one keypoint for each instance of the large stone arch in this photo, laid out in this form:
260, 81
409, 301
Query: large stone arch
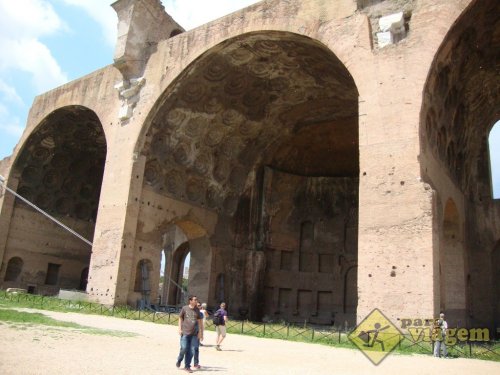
261, 131
460, 105
59, 168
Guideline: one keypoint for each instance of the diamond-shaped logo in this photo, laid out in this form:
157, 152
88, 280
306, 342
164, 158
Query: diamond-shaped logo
376, 336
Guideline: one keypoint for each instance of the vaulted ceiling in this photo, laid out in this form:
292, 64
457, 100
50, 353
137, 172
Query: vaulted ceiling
61, 165
272, 98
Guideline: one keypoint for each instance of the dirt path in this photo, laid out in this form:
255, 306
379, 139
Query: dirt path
153, 350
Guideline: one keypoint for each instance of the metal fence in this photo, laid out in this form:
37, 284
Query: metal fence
489, 350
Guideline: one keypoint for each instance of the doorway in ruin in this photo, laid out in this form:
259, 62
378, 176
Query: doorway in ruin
59, 169
459, 109
187, 263
262, 131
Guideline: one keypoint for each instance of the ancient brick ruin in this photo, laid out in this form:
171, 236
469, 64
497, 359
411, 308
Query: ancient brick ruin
316, 159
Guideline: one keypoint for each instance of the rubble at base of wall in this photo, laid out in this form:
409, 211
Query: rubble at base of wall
16, 290
73, 295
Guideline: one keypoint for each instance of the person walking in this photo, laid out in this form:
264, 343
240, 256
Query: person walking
190, 330
220, 320
197, 343
206, 314
440, 330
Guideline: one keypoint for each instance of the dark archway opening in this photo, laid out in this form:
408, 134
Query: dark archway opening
460, 106
14, 269
262, 129
59, 169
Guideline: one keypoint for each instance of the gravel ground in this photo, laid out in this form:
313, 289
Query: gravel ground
153, 350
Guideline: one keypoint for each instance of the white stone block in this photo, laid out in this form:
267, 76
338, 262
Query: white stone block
128, 93
133, 100
125, 112
384, 38
393, 21
138, 81
119, 86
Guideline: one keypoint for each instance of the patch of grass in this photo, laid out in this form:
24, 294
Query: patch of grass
35, 319
15, 316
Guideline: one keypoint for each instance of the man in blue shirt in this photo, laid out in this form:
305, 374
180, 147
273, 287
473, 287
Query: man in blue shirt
220, 328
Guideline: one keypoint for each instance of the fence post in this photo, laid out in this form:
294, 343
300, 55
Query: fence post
264, 332
312, 335
470, 349
287, 330
242, 323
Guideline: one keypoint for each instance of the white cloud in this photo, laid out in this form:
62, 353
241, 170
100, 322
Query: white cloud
24, 59
27, 19
32, 56
101, 12
22, 23
193, 13
188, 14
9, 94
10, 124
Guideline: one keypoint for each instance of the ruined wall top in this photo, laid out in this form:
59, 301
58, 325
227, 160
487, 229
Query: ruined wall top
142, 24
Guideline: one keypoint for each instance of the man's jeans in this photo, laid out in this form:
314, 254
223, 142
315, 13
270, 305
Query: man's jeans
437, 348
195, 345
188, 343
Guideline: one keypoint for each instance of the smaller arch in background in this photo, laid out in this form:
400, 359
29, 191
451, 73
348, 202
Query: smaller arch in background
178, 264
14, 268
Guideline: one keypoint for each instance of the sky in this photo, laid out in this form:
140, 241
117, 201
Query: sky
46, 43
